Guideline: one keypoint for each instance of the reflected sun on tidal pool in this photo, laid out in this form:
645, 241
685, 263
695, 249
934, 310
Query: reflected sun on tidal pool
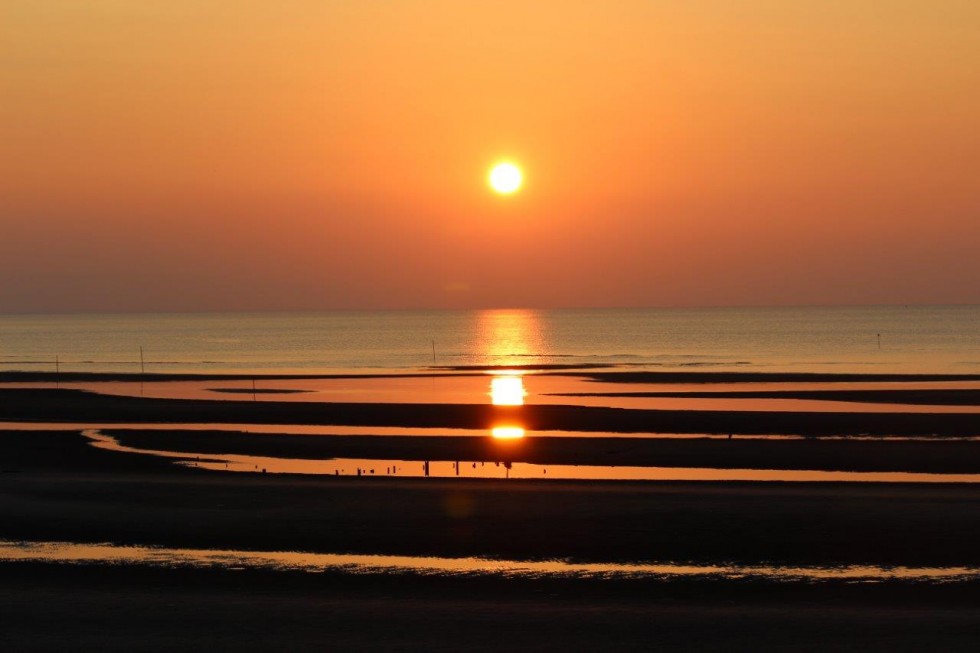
507, 432
507, 390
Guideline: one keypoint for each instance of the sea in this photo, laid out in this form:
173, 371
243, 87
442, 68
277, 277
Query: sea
859, 339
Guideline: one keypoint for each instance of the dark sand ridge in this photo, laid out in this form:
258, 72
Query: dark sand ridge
57, 488
13, 376
585, 371
645, 376
54, 405
259, 391
935, 456
923, 396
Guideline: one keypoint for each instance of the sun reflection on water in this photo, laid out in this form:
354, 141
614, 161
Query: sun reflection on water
510, 337
507, 390
507, 432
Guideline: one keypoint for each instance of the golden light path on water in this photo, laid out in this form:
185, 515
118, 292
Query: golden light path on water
511, 337
104, 553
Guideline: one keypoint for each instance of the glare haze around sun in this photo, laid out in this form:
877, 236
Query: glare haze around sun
505, 178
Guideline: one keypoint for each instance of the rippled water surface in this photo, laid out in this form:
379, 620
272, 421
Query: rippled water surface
869, 339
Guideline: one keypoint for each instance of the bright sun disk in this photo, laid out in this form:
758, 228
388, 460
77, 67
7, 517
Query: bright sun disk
505, 178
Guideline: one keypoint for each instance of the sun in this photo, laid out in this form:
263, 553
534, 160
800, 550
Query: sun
505, 178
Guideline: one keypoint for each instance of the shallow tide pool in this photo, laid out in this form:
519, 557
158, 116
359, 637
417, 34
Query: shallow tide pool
104, 553
501, 469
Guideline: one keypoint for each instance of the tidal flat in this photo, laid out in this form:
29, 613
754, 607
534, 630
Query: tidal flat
56, 487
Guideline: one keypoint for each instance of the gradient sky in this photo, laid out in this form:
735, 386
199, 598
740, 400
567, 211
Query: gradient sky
168, 155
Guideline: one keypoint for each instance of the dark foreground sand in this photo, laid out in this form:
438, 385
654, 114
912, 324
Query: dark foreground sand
125, 609
55, 487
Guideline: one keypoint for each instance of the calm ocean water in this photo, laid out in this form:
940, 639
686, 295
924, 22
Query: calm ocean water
912, 339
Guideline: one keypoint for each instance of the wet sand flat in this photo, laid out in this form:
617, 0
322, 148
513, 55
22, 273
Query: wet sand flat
647, 376
919, 396
47, 405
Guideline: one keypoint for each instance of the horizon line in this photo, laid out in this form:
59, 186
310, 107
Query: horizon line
281, 311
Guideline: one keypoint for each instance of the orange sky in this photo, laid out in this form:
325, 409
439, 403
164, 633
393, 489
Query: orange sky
307, 154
